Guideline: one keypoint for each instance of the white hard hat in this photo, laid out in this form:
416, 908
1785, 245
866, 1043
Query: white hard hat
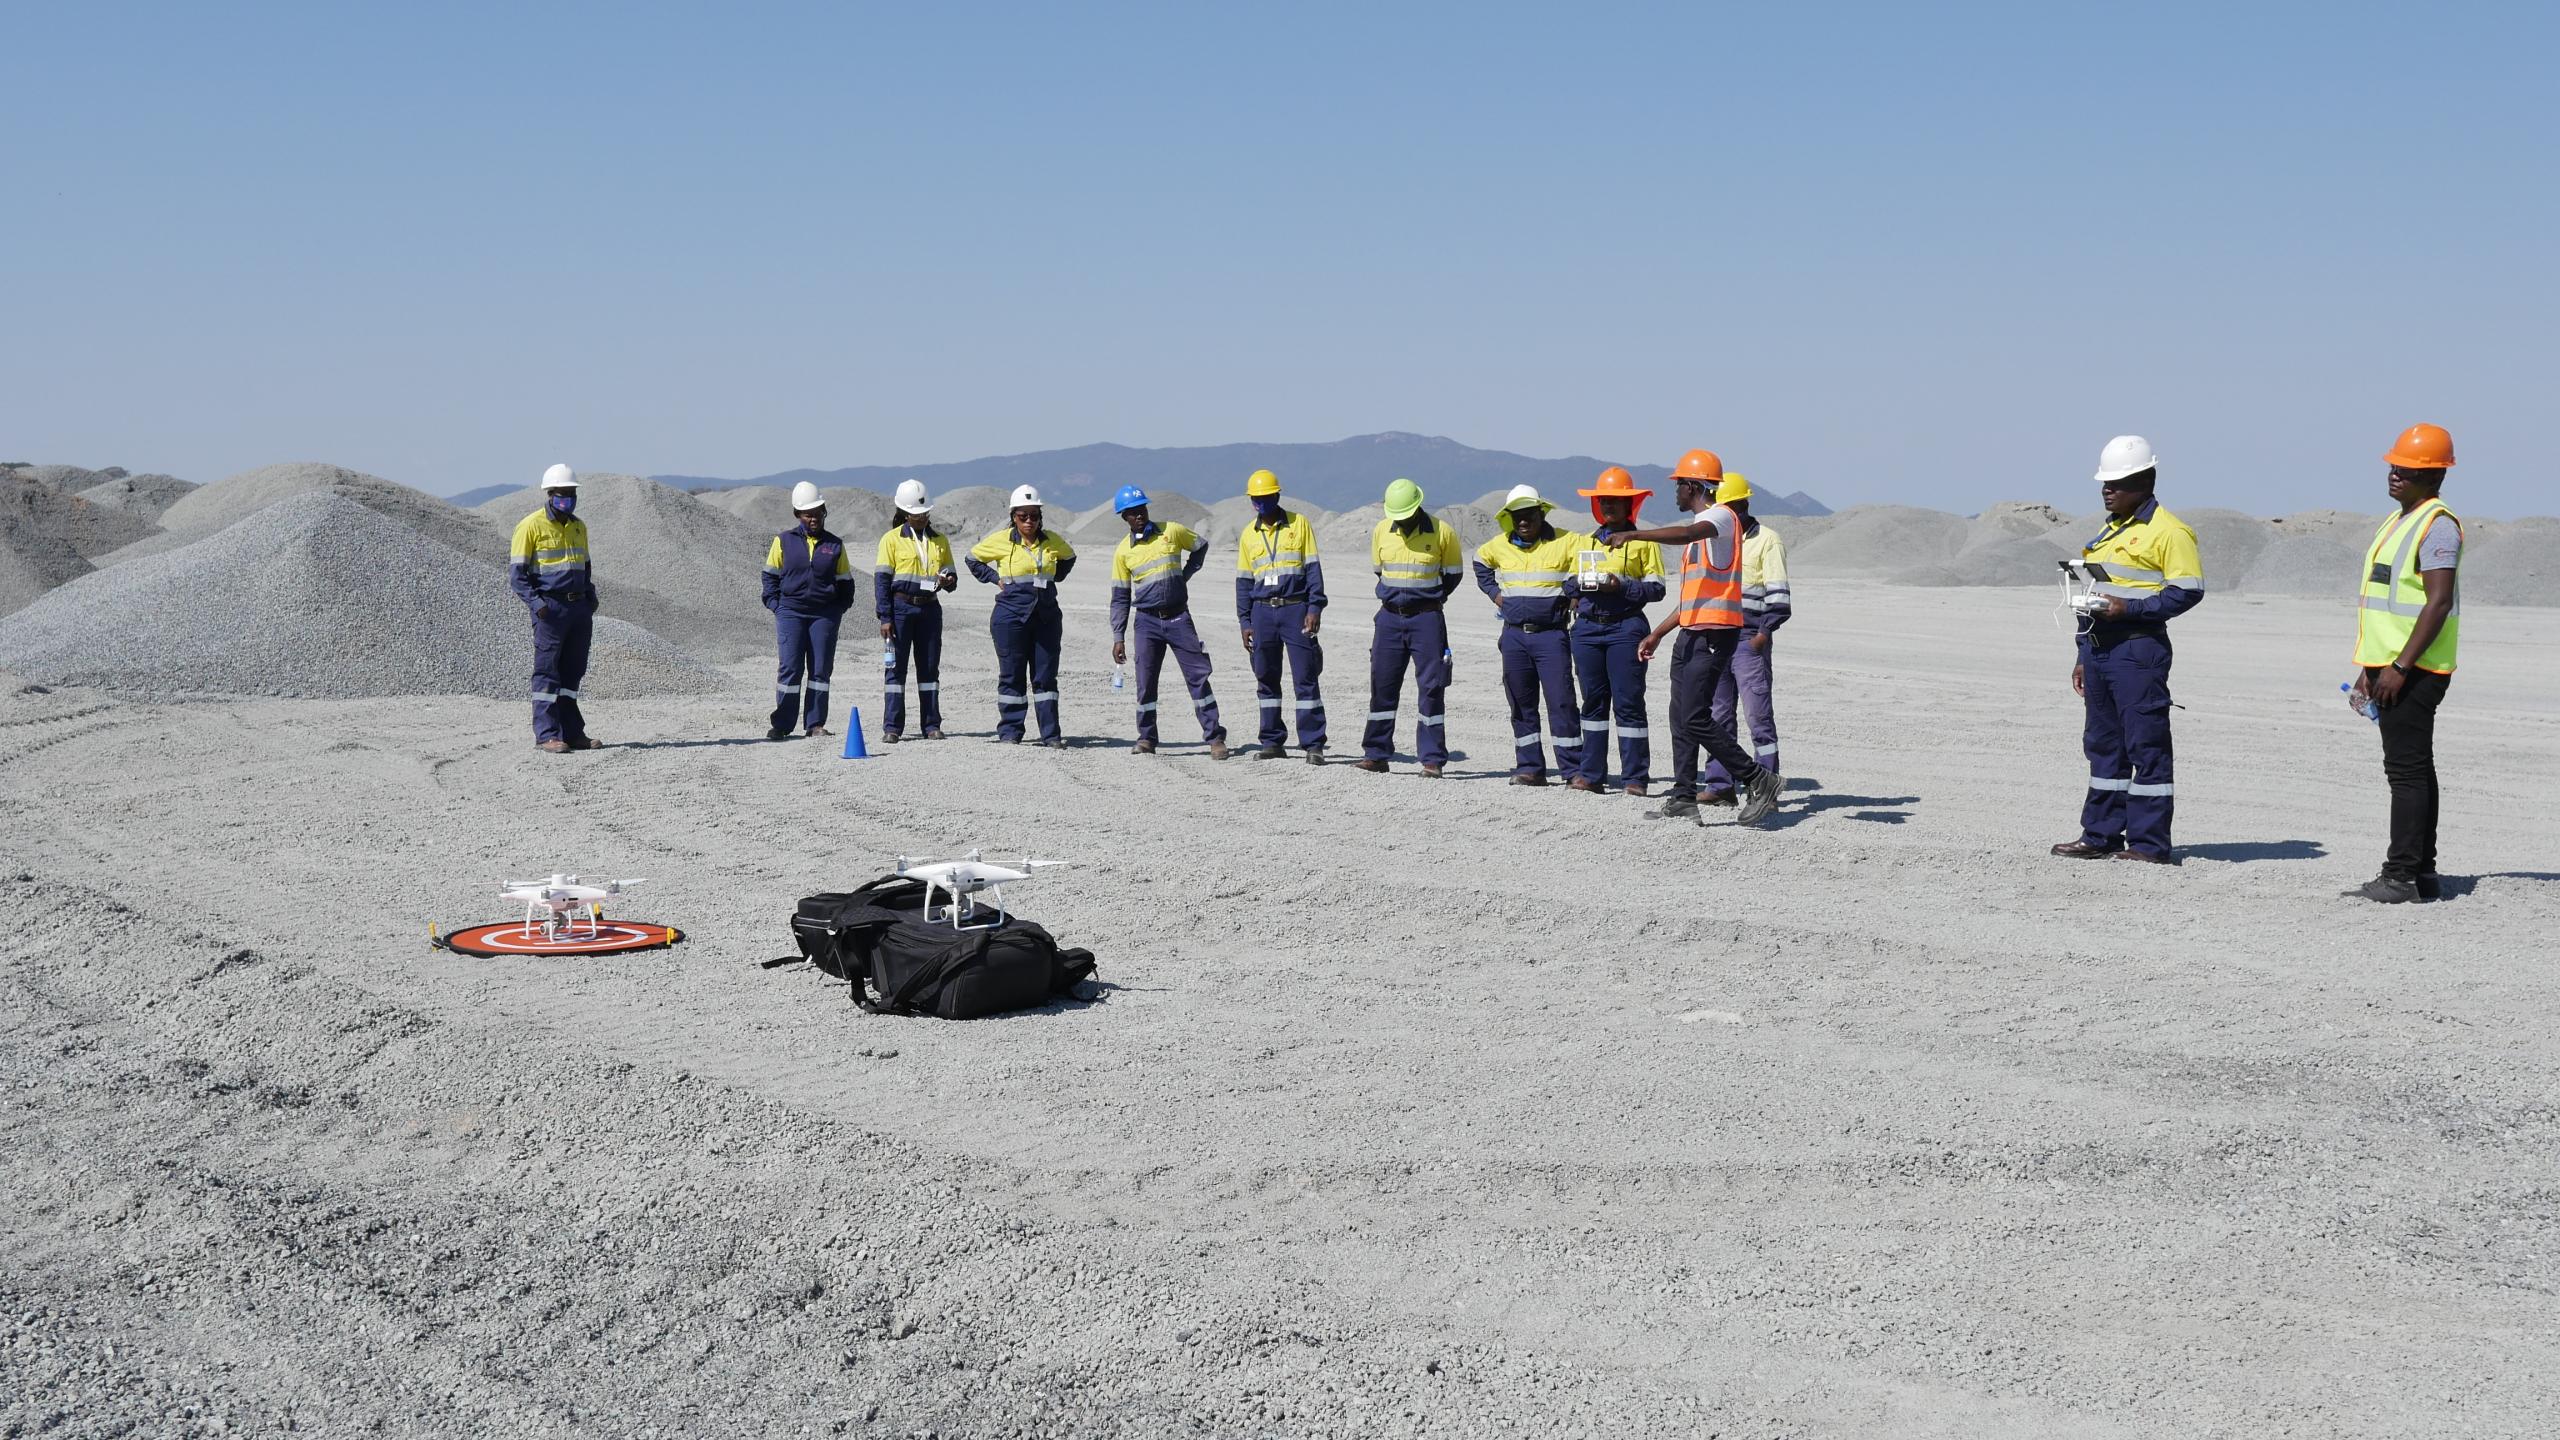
911, 497
1525, 495
2125, 455
805, 496
1024, 495
559, 477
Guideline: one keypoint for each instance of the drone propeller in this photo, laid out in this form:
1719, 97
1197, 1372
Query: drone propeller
616, 886
1030, 864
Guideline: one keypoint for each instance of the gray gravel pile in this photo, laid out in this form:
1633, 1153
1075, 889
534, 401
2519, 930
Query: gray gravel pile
312, 596
669, 562
69, 479
48, 538
2513, 563
1880, 540
150, 495
861, 516
208, 508
972, 512
2313, 564
1101, 527
1228, 518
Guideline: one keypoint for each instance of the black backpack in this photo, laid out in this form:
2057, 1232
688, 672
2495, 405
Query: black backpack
896, 962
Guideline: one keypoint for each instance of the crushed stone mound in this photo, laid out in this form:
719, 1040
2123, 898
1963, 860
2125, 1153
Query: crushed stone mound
669, 562
2300, 565
69, 479
2229, 543
313, 596
856, 514
48, 538
209, 508
1101, 528
148, 495
1226, 520
1880, 540
2514, 563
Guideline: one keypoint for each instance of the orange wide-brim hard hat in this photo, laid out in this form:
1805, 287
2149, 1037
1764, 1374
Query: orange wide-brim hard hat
1614, 483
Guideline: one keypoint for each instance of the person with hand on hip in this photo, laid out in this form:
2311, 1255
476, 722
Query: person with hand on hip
910, 573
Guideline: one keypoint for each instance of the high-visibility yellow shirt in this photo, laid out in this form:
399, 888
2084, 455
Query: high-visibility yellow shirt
773, 556
547, 556
2394, 590
1416, 567
1528, 581
908, 567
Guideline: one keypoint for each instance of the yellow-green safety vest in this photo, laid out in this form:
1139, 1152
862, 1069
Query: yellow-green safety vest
2394, 592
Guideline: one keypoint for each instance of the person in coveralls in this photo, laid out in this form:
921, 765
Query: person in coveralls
808, 585
1151, 574
1025, 562
551, 572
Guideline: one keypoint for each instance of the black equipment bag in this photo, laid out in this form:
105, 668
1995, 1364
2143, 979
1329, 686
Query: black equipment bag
895, 962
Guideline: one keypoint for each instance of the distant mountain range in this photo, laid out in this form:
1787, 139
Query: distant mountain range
1342, 475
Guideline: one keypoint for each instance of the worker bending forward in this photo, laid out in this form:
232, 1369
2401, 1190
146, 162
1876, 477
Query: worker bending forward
1524, 570
1419, 566
1767, 603
1025, 563
2408, 625
1279, 604
1709, 618
1608, 626
909, 573
2153, 575
1151, 573
552, 573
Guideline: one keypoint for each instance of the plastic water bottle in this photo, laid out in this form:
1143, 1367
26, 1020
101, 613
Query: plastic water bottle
1119, 677
2364, 707
1448, 662
888, 654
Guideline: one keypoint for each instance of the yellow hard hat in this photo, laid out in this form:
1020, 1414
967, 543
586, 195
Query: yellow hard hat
1733, 487
1261, 483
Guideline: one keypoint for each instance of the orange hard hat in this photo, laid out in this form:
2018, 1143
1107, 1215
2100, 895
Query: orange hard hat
1615, 483
1698, 465
2423, 447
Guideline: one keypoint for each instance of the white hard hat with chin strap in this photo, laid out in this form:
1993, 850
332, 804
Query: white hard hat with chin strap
1025, 496
559, 477
805, 496
2125, 455
911, 497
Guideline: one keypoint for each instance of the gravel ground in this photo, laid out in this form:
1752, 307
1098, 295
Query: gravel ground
1415, 1108
316, 595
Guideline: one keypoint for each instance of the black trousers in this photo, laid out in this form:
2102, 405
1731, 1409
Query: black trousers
1700, 658
2409, 763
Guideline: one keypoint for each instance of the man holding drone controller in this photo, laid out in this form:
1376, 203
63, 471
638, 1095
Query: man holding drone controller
2146, 573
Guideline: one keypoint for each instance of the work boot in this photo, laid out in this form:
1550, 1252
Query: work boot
1759, 799
817, 731
2083, 850
1675, 807
1587, 787
1527, 779
782, 733
1217, 747
1143, 747
1054, 742
1715, 797
1633, 789
1272, 752
2147, 859
552, 747
2387, 889
1430, 772
586, 742
1374, 767
933, 734
2430, 886
1315, 754
887, 737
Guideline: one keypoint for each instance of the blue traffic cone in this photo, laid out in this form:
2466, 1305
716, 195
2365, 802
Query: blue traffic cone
853, 749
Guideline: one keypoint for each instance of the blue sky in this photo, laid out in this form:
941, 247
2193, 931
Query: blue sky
1879, 253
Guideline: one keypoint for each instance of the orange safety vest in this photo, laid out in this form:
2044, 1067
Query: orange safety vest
1711, 575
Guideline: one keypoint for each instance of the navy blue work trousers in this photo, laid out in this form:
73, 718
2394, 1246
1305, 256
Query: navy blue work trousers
1419, 639
2132, 787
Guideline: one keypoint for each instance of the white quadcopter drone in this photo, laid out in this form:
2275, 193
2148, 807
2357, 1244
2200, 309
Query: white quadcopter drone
961, 881
560, 907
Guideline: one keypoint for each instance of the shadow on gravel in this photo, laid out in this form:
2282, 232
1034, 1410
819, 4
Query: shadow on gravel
698, 744
2457, 886
2242, 851
1875, 809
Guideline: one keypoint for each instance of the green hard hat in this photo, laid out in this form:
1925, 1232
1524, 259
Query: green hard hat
1403, 498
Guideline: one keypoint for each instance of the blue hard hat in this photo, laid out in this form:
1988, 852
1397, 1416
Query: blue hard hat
1129, 498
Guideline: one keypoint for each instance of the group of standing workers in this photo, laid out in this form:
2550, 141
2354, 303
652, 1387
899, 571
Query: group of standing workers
2147, 571
1576, 644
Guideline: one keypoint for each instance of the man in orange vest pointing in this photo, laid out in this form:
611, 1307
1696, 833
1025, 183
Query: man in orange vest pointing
1709, 618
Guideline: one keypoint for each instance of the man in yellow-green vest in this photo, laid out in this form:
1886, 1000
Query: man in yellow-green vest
2408, 622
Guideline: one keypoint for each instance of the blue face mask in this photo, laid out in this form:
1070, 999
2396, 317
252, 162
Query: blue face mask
1266, 507
564, 506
